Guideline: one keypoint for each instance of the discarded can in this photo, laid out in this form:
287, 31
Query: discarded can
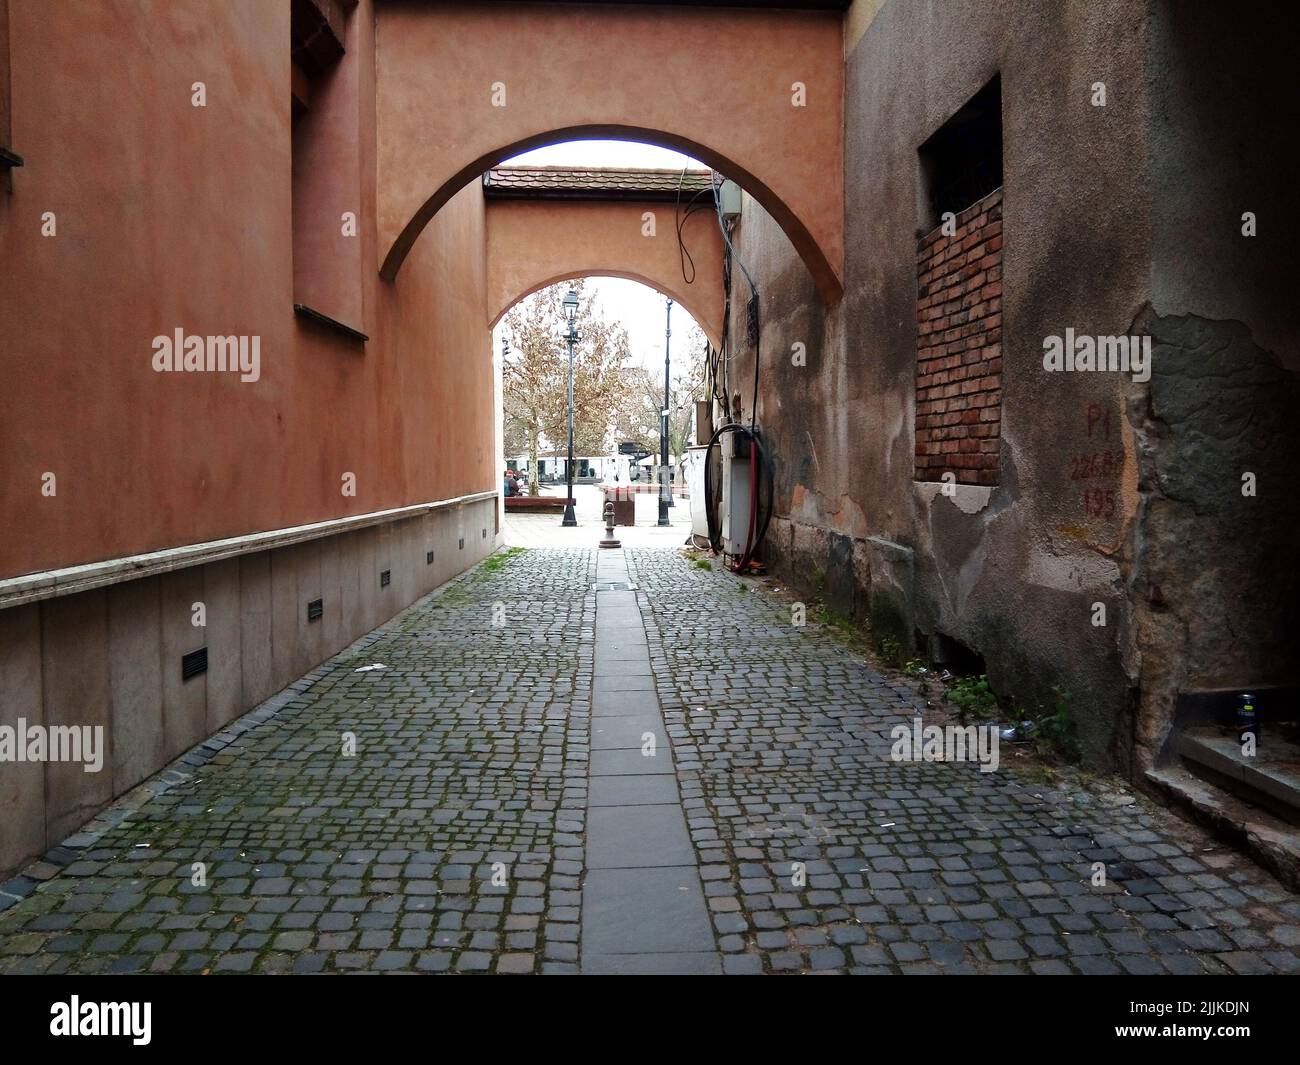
1021, 733
1247, 719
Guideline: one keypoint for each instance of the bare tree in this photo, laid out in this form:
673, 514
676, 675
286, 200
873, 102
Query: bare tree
515, 434
638, 416
536, 368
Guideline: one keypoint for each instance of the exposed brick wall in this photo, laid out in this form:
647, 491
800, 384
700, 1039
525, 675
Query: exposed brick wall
959, 347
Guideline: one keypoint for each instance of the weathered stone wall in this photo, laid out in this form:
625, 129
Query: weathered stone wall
1118, 220
1212, 575
1213, 579
1012, 571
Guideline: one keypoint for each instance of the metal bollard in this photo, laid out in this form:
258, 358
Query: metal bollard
609, 540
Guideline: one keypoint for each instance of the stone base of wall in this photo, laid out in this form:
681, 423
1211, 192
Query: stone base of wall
112, 656
869, 578
913, 609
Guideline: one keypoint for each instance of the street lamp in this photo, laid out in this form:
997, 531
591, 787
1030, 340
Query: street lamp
570, 313
665, 489
505, 356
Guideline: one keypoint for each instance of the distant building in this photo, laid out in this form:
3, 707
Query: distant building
587, 469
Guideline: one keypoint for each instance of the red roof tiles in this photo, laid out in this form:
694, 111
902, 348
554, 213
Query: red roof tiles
591, 183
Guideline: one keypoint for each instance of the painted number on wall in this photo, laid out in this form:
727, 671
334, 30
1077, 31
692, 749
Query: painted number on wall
1099, 502
1097, 465
1088, 465
1098, 421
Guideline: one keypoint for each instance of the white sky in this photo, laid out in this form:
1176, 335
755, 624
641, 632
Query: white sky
638, 308
604, 153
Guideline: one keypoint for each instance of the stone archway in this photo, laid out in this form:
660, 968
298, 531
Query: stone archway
755, 94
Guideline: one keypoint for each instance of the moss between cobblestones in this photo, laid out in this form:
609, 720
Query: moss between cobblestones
474, 745
495, 563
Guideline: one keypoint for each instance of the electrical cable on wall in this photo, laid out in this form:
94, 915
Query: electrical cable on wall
754, 325
680, 220
756, 528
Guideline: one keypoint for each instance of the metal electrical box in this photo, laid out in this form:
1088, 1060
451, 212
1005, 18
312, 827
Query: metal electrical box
729, 199
735, 493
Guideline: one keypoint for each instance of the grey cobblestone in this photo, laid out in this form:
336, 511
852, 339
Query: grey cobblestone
781, 740
472, 748
472, 761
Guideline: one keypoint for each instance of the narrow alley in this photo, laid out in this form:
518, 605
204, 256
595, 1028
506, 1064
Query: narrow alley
650, 488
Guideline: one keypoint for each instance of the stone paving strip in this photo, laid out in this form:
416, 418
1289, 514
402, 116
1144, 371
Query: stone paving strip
819, 853
643, 908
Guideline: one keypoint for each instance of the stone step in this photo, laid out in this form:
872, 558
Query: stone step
1269, 779
1271, 841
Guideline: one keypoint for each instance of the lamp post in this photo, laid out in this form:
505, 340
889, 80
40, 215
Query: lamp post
505, 354
665, 489
570, 313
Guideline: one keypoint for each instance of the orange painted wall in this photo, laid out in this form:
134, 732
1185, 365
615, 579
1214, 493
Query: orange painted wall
714, 82
170, 215
534, 243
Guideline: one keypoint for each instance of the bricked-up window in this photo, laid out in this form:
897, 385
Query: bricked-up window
959, 311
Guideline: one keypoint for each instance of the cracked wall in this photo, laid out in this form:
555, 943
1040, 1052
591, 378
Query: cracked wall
1212, 578
1213, 583
1012, 573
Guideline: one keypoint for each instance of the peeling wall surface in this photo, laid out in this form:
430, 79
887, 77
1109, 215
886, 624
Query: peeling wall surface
1100, 489
1214, 581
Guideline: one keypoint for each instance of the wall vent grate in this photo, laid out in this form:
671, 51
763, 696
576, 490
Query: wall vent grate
428, 558
315, 609
193, 663
385, 578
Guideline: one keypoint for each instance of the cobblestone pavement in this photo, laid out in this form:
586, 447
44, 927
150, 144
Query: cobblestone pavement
471, 750
781, 739
454, 839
